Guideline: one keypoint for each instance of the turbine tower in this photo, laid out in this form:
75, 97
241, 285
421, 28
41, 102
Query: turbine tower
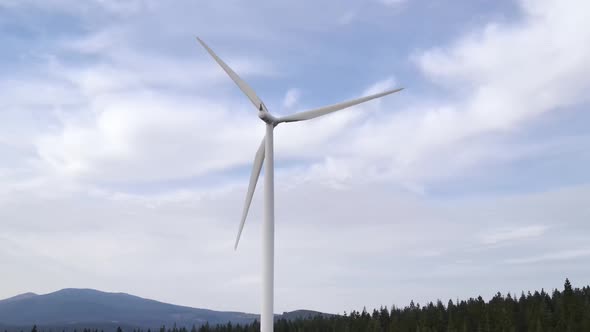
265, 153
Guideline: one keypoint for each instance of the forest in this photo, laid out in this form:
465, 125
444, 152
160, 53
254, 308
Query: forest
559, 311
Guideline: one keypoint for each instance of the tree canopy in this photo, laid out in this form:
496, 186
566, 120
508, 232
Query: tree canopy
559, 311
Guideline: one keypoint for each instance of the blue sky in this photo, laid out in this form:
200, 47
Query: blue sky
125, 151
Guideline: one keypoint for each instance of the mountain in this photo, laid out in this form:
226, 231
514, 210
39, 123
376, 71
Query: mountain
303, 314
19, 297
70, 308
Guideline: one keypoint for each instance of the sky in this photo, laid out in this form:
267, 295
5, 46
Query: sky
125, 150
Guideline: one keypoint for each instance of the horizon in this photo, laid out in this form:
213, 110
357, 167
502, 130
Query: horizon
514, 295
125, 151
555, 311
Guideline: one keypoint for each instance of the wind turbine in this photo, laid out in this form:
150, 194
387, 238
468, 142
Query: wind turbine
266, 151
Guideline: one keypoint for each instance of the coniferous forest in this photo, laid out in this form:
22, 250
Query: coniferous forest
558, 311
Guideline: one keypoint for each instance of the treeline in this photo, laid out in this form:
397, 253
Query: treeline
560, 311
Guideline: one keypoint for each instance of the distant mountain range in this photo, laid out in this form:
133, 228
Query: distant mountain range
70, 309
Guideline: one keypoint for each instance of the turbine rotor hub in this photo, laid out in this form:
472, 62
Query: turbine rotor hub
265, 116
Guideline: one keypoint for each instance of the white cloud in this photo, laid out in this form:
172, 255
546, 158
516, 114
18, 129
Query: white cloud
105, 242
291, 98
563, 255
348, 17
507, 67
380, 86
499, 79
128, 118
146, 137
513, 234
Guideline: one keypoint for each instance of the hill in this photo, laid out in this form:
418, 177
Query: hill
71, 308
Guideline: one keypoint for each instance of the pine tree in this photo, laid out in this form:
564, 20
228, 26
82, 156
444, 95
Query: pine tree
567, 288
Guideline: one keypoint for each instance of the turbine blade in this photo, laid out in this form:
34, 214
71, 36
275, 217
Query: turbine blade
256, 168
333, 108
246, 89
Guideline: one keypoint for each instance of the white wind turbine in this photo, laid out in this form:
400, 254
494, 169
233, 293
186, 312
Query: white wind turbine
265, 151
